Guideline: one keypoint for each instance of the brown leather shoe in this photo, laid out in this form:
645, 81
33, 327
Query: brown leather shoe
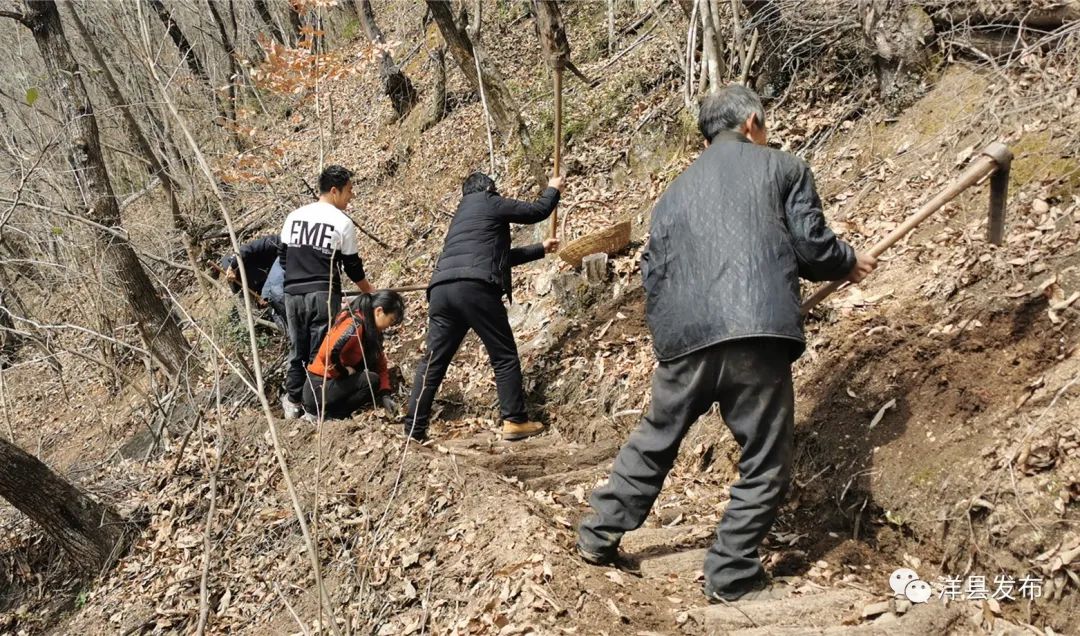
520, 430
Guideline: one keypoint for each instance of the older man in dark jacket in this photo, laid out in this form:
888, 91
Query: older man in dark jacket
728, 242
466, 290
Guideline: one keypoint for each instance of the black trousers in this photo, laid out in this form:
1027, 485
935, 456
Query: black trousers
751, 380
344, 396
455, 308
308, 317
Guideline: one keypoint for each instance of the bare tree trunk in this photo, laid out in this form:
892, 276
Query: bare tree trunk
552, 33
10, 340
268, 19
469, 55
712, 57
396, 84
770, 80
610, 27
230, 55
296, 23
553, 40
689, 96
158, 328
738, 40
718, 25
438, 98
899, 35
1050, 16
135, 132
92, 534
187, 53
140, 140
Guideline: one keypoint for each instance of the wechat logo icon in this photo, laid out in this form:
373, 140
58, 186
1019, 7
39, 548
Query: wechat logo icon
906, 582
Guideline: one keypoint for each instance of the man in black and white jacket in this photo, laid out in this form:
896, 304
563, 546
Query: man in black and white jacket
317, 242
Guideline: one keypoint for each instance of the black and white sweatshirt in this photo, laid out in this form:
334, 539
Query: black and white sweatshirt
317, 241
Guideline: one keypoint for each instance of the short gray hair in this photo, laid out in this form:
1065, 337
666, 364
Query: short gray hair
728, 109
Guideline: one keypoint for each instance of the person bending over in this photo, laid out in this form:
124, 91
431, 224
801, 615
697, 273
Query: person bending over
260, 263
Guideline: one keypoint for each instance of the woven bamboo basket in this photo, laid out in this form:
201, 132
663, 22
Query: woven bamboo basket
610, 241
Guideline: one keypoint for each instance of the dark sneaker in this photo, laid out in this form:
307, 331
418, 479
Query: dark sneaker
513, 431
758, 590
411, 429
610, 558
605, 557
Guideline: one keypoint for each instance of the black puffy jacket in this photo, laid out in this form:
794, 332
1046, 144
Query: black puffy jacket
477, 244
258, 256
729, 239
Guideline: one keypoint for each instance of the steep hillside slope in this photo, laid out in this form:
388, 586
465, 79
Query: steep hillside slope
936, 426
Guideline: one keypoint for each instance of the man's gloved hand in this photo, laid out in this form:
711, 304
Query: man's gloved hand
389, 405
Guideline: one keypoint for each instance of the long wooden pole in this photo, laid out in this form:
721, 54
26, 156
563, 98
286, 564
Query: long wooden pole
557, 154
984, 165
406, 288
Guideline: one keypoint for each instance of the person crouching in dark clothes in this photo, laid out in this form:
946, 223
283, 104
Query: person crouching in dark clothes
350, 371
260, 262
466, 290
258, 257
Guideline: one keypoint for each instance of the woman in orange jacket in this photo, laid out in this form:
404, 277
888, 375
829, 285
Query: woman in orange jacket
350, 371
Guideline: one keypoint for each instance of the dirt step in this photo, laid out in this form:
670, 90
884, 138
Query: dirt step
561, 481
930, 618
684, 564
651, 544
533, 458
831, 607
488, 442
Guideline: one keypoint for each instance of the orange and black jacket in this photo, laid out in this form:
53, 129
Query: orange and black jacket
343, 348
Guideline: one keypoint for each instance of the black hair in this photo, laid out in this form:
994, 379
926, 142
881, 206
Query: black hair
362, 307
478, 182
728, 109
334, 176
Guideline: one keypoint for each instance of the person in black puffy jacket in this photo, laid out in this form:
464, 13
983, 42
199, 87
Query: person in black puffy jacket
465, 292
260, 263
729, 240
258, 257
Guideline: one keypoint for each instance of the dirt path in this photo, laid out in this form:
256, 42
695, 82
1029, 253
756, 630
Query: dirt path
664, 593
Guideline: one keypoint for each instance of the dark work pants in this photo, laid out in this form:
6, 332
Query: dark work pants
751, 380
307, 316
454, 308
344, 396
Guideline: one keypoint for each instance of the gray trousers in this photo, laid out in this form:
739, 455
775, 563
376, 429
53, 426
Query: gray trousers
751, 381
307, 316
